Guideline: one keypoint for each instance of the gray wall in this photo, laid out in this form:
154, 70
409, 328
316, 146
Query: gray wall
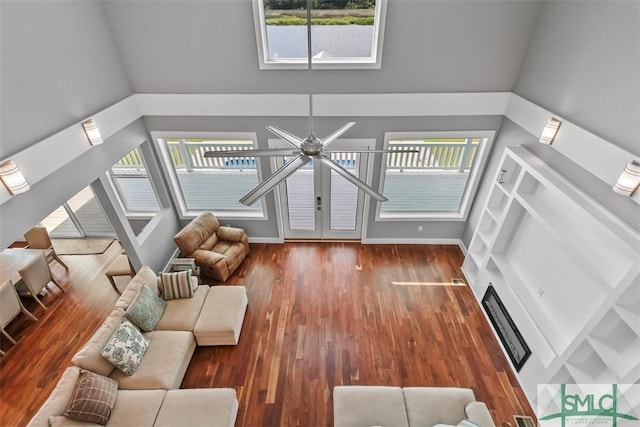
583, 63
59, 65
429, 46
370, 128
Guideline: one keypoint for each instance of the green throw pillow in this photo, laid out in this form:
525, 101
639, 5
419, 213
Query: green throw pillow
146, 310
126, 347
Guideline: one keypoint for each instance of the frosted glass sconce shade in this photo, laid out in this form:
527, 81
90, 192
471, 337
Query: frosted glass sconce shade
550, 130
92, 131
629, 180
12, 178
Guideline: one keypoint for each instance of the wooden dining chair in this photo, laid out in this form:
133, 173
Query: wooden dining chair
38, 238
36, 275
121, 266
10, 307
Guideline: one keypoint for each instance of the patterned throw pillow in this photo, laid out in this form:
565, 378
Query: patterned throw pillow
126, 347
176, 285
146, 310
92, 399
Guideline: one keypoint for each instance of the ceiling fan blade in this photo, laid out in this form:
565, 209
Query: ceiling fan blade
252, 153
291, 139
371, 151
351, 178
267, 185
335, 135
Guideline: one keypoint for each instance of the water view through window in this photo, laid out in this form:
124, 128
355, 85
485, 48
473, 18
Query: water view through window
342, 31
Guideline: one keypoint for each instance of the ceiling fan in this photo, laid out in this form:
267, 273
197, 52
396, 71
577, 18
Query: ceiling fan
304, 150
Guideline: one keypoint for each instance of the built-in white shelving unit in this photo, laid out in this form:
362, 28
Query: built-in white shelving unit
567, 271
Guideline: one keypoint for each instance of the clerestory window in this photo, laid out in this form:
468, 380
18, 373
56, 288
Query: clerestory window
344, 33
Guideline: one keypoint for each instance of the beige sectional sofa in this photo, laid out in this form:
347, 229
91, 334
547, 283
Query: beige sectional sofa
215, 407
212, 316
384, 406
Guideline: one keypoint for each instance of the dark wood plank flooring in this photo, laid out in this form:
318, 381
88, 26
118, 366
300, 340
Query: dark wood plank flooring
319, 315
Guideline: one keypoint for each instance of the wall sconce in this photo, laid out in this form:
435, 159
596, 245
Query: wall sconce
92, 131
12, 178
629, 180
550, 130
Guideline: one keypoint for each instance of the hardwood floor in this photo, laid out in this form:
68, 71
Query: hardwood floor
319, 315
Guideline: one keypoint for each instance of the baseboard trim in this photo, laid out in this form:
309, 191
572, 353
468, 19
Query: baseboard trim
412, 241
266, 240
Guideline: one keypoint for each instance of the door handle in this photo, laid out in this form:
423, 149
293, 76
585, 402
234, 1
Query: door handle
318, 203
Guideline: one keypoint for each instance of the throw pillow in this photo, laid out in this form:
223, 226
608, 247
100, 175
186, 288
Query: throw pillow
126, 347
176, 285
146, 310
92, 399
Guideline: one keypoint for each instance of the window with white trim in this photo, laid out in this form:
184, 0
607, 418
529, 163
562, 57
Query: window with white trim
344, 33
212, 183
133, 187
435, 181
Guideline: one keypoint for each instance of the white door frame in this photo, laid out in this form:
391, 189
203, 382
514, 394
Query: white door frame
322, 185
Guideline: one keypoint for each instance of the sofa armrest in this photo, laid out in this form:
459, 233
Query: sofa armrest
230, 234
203, 257
478, 413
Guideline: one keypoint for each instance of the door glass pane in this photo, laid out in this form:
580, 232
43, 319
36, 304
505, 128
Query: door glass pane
86, 212
89, 214
344, 195
59, 225
301, 198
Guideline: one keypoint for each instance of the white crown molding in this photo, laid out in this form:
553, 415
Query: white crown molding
597, 155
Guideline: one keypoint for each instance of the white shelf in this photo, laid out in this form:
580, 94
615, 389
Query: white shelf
588, 368
616, 344
563, 376
566, 270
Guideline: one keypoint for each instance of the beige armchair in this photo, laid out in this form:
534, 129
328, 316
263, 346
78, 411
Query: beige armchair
36, 276
217, 249
38, 238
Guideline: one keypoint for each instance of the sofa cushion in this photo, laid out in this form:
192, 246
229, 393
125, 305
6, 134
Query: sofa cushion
182, 314
92, 399
208, 244
214, 407
176, 285
164, 363
222, 315
126, 347
89, 357
366, 406
58, 400
145, 276
137, 408
428, 406
478, 413
146, 310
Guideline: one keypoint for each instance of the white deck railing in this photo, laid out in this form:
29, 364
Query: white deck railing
427, 156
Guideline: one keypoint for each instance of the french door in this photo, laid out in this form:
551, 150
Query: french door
316, 202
